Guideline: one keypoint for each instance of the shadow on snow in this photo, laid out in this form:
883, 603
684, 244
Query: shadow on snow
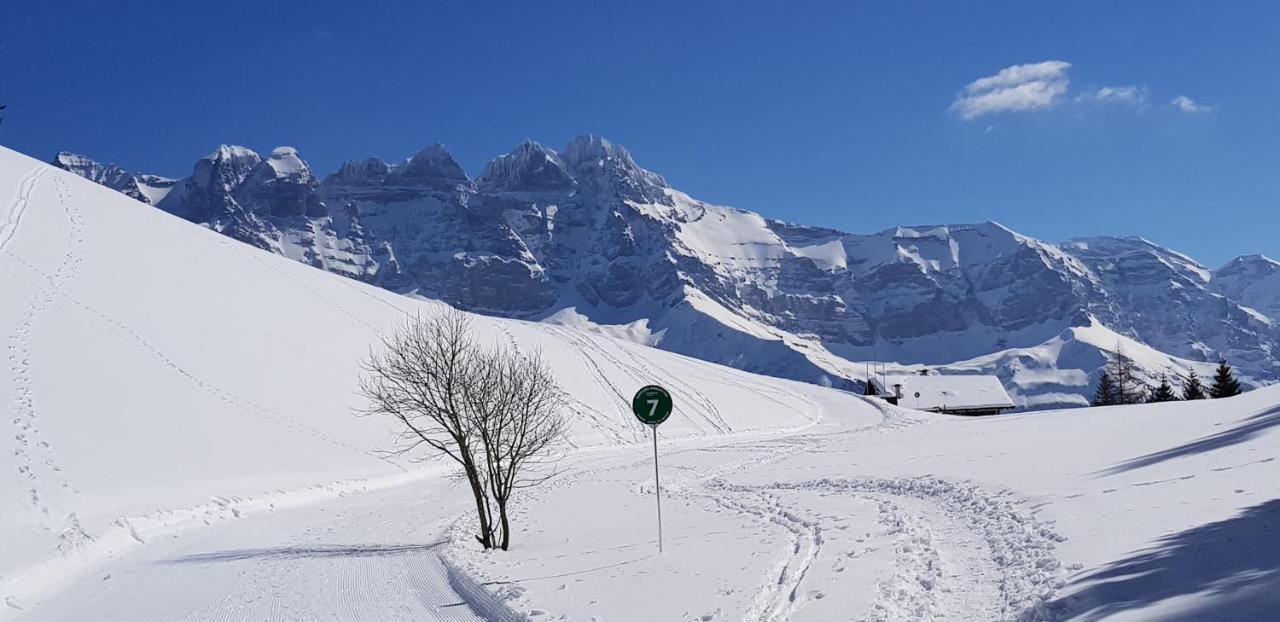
315, 551
1235, 563
1245, 430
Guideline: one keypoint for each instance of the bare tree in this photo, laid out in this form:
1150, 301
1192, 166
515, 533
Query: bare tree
518, 408
420, 378
493, 411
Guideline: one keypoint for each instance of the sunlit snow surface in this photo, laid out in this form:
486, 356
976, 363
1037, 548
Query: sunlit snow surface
180, 445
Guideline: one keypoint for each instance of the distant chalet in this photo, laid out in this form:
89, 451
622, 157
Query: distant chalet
953, 395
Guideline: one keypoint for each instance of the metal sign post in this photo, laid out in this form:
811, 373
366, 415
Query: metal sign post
652, 405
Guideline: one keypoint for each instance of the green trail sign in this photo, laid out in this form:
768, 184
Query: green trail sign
651, 405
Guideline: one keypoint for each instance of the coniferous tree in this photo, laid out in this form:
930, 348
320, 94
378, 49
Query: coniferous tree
1193, 389
1224, 381
1105, 395
1124, 377
1163, 392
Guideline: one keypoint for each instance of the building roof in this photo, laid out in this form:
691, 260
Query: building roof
959, 392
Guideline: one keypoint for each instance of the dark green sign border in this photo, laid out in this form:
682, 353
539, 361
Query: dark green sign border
647, 410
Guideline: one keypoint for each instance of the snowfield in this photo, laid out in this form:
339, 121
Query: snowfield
180, 445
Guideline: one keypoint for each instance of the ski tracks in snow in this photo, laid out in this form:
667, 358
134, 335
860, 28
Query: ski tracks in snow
960, 552
18, 207
593, 353
52, 285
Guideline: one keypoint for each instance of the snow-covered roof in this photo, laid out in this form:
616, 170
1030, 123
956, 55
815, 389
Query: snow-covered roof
950, 392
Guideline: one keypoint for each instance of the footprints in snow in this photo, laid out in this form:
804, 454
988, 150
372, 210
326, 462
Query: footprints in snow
33, 453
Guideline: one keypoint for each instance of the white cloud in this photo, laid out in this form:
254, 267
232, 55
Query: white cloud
1019, 88
1122, 95
1188, 105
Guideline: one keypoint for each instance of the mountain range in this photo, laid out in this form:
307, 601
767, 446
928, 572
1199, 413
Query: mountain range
586, 237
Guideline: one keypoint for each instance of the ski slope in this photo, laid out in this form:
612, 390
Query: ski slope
180, 445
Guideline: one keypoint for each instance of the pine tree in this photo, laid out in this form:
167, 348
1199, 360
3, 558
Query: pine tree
1106, 392
1193, 389
1224, 381
1124, 377
1163, 392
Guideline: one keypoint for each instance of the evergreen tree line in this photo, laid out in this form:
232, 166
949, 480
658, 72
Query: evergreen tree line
1119, 384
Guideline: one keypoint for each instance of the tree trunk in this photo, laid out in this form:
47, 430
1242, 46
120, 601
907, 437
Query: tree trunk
485, 537
506, 527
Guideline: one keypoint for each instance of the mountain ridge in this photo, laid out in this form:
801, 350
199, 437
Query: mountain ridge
587, 236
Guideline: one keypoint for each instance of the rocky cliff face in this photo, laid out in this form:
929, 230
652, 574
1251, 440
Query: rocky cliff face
1168, 301
1251, 280
586, 236
146, 188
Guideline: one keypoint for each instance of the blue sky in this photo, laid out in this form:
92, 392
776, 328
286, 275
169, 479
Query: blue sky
859, 116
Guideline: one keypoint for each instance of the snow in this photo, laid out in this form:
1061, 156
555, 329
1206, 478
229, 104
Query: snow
731, 237
934, 392
233, 368
1058, 373
286, 163
185, 428
1253, 280
154, 188
828, 255
230, 152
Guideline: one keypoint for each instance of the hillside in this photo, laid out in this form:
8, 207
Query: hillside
183, 448
161, 375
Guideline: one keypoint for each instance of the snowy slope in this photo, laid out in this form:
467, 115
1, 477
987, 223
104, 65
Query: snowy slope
1063, 370
1150, 512
183, 448
158, 371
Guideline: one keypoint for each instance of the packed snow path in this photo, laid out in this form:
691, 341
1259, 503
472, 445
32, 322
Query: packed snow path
377, 555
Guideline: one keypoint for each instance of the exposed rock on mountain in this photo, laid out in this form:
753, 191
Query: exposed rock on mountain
1251, 280
587, 237
146, 188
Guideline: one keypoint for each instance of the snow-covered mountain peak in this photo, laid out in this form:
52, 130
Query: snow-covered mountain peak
938, 248
432, 168
285, 162
593, 147
79, 164
434, 163
108, 175
1137, 253
593, 158
146, 188
529, 167
225, 167
589, 233
360, 172
1253, 280
231, 152
281, 185
1254, 261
